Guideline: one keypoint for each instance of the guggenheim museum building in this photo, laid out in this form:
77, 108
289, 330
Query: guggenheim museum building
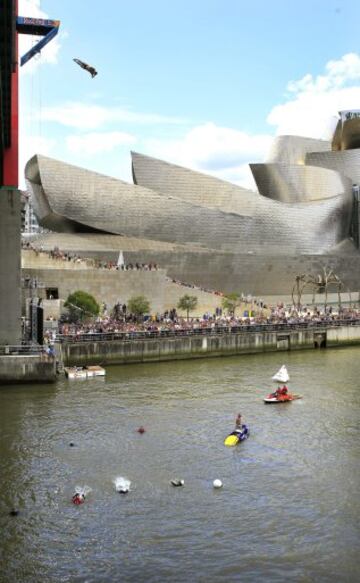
303, 217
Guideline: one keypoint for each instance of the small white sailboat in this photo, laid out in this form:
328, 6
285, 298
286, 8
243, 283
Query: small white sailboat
282, 375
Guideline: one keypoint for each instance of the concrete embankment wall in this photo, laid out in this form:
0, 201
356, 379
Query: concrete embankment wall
343, 336
186, 347
27, 368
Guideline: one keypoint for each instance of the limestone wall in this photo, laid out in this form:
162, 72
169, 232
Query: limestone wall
109, 286
260, 274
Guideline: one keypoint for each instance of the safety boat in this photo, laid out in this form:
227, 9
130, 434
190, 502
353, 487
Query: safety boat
237, 435
84, 372
281, 395
276, 398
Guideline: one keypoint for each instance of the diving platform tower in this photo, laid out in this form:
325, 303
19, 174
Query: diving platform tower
10, 206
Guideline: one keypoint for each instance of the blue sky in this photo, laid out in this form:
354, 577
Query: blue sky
206, 84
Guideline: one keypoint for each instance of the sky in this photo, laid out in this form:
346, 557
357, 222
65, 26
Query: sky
206, 84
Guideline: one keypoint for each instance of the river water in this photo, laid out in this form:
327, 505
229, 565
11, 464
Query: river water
288, 510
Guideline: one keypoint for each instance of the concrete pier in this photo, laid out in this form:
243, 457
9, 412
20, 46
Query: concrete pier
126, 351
27, 368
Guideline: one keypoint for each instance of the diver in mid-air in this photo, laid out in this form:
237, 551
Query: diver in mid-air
91, 70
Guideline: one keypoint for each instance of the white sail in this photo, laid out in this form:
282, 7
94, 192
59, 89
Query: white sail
120, 261
282, 375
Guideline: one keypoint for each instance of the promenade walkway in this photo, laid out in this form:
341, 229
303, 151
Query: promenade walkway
127, 336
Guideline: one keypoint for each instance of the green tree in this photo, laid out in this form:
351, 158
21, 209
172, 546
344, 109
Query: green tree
139, 305
187, 304
81, 305
231, 302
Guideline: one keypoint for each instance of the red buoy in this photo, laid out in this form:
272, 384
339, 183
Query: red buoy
141, 429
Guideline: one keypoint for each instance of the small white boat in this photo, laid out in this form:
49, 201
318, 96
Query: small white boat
282, 375
75, 372
95, 371
84, 372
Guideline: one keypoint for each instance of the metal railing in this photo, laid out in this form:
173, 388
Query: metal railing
127, 336
23, 350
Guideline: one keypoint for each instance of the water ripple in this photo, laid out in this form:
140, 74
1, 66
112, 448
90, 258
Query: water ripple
288, 509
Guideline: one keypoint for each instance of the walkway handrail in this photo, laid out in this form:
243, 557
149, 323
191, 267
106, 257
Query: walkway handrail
127, 336
23, 349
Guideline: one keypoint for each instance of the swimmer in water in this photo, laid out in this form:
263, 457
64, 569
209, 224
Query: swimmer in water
78, 498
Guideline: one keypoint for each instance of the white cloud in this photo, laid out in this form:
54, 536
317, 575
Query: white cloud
49, 54
87, 116
220, 151
29, 146
96, 142
310, 109
314, 101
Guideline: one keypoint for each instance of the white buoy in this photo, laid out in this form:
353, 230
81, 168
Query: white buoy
122, 485
217, 484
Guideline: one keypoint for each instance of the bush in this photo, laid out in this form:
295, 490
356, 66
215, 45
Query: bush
81, 305
139, 305
231, 302
187, 303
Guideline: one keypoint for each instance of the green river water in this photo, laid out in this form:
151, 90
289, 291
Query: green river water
288, 510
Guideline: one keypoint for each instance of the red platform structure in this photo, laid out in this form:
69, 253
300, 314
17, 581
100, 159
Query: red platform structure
10, 204
10, 25
9, 95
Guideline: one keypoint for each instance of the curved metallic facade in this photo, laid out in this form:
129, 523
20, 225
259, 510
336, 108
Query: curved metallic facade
195, 187
304, 208
346, 162
291, 183
84, 199
347, 132
293, 149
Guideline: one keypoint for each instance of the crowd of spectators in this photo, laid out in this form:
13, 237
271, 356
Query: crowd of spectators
242, 298
254, 311
90, 262
122, 322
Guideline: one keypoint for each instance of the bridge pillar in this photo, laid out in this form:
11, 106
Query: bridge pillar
10, 266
